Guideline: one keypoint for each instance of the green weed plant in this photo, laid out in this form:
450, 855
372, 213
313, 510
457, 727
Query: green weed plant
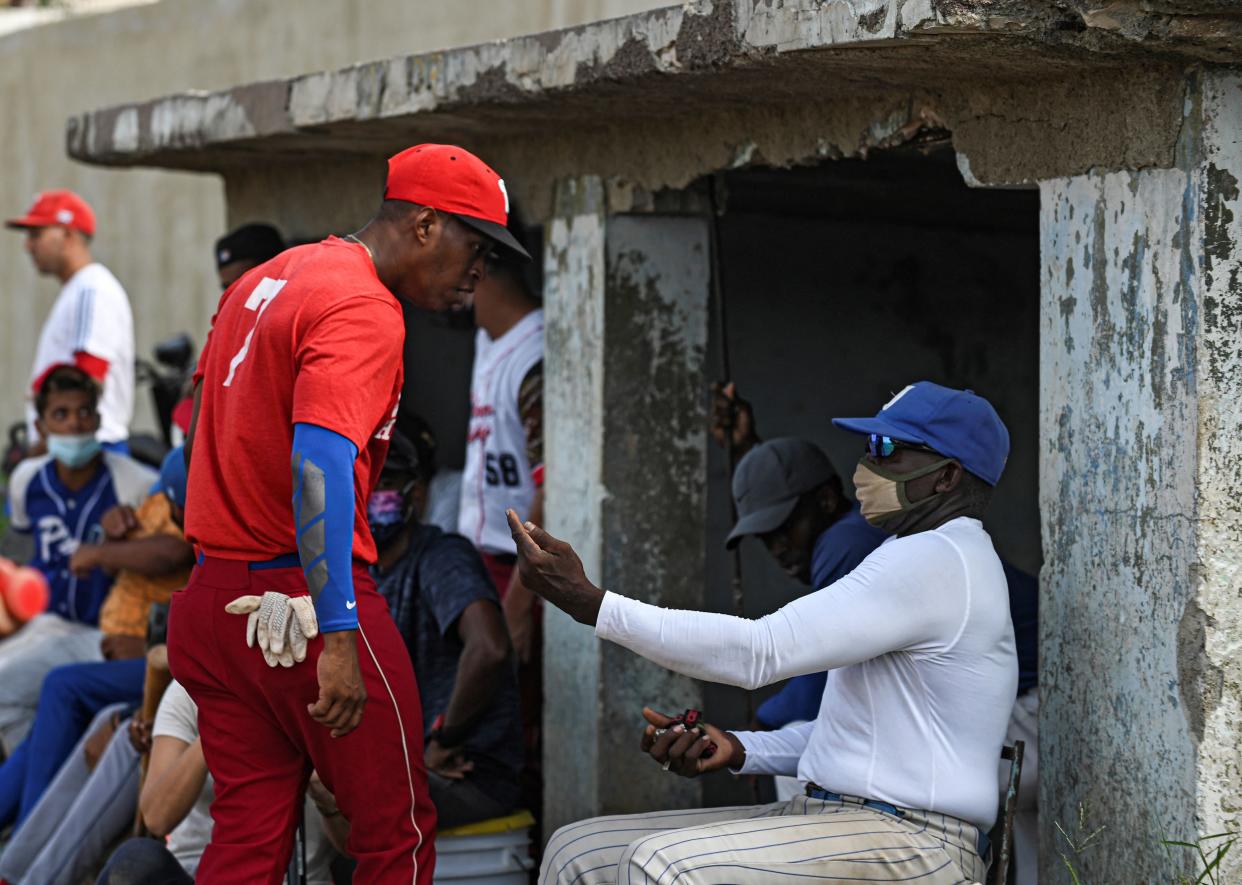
1209, 851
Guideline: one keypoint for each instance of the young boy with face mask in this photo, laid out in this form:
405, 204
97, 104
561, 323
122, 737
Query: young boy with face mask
58, 500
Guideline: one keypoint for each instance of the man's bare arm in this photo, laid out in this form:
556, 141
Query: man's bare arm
189, 436
484, 656
175, 778
519, 602
155, 556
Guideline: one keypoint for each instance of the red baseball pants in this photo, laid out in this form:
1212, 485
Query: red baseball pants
261, 744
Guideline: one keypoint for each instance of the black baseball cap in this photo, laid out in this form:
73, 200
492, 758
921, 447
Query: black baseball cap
769, 481
250, 242
413, 454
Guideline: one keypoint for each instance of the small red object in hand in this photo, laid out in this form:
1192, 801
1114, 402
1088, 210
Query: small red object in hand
692, 719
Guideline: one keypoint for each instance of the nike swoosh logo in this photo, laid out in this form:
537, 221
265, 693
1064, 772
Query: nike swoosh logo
351, 604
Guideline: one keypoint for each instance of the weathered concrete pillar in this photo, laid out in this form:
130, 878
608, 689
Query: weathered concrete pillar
627, 305
1141, 496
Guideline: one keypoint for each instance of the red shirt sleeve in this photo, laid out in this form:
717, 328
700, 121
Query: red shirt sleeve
347, 363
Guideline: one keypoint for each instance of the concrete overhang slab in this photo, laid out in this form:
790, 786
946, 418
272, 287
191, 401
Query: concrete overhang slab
711, 55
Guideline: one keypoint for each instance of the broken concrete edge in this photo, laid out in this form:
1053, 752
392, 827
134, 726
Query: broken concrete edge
197, 130
1217, 667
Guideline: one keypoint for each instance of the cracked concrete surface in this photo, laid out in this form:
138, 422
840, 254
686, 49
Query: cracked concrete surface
768, 81
1117, 498
1141, 613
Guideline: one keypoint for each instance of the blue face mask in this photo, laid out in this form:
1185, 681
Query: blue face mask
75, 450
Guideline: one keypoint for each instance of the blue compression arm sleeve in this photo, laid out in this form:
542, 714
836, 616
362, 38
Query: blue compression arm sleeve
323, 513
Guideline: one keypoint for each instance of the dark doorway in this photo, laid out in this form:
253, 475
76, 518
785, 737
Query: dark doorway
841, 284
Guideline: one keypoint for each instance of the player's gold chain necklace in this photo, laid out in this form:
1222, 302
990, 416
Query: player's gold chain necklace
370, 254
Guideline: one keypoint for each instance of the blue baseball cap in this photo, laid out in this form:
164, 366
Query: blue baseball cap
958, 424
172, 477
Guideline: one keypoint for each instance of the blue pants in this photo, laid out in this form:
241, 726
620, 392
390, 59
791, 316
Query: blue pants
119, 447
70, 697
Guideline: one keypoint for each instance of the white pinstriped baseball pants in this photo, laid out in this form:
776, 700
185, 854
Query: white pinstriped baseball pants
802, 840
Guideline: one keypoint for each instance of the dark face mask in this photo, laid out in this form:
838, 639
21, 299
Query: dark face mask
386, 514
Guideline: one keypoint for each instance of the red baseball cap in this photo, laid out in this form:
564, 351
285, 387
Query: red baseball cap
63, 208
37, 384
453, 180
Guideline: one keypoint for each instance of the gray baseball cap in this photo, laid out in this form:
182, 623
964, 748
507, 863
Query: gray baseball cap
769, 481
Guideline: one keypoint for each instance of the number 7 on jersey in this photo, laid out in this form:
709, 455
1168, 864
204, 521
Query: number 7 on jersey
263, 295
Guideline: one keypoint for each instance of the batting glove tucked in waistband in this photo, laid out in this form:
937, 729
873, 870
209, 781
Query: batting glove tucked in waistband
281, 625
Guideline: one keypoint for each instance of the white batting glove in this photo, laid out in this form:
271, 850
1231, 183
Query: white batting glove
303, 626
281, 638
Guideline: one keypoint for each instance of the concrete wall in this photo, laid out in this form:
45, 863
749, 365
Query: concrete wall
155, 228
1140, 376
627, 309
1118, 494
574, 293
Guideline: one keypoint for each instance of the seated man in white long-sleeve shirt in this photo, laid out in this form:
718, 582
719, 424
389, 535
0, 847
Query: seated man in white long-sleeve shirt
919, 647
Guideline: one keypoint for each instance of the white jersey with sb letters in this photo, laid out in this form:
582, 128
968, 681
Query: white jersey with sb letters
497, 473
92, 314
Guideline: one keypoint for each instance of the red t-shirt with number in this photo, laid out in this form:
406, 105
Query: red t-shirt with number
311, 337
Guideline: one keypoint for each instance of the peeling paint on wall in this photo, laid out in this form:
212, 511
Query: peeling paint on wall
1141, 492
775, 83
1117, 496
573, 391
1004, 133
655, 455
626, 401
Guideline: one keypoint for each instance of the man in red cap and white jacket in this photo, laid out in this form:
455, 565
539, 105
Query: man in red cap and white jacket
90, 324
296, 396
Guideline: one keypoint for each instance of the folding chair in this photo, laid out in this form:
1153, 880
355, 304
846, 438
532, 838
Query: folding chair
1001, 872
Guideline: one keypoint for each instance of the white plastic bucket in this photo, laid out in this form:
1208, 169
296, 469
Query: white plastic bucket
490, 859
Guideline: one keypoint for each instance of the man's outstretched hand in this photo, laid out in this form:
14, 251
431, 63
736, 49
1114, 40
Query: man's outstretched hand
552, 569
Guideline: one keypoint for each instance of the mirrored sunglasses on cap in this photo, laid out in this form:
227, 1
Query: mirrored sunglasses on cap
880, 446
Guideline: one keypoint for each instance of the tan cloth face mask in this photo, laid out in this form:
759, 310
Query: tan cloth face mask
882, 493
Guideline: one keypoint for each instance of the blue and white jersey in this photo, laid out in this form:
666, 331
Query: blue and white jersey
59, 520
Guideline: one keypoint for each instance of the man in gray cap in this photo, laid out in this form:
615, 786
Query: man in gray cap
788, 494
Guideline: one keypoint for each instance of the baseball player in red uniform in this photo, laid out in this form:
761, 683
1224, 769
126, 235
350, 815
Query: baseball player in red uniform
296, 396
